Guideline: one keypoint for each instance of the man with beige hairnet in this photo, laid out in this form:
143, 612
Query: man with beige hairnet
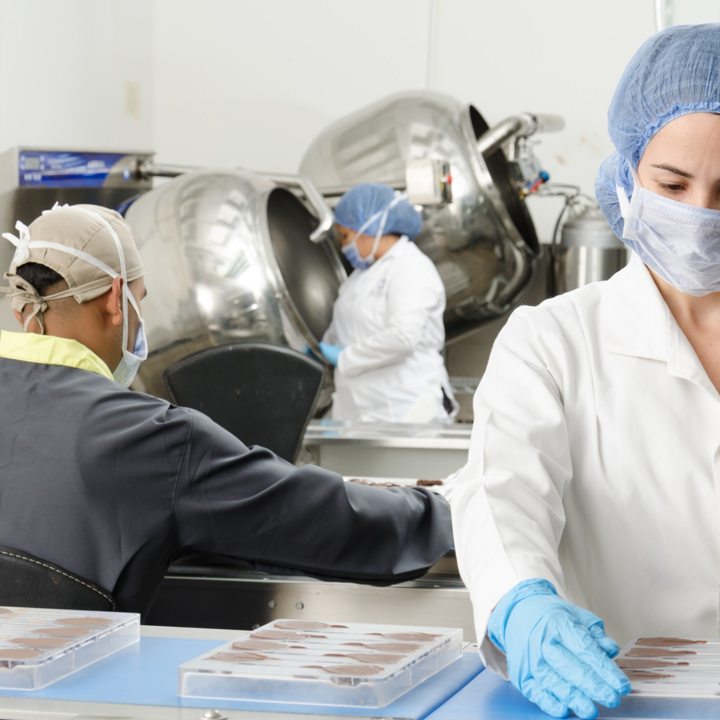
111, 484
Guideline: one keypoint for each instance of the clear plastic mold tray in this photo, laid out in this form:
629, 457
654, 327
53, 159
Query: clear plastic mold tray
302, 662
672, 666
38, 647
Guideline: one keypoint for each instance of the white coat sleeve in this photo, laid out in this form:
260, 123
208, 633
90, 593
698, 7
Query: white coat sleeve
414, 292
508, 513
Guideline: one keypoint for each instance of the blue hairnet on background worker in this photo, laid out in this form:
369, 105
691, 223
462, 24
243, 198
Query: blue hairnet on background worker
387, 331
591, 487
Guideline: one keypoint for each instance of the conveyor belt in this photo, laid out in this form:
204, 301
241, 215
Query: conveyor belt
146, 674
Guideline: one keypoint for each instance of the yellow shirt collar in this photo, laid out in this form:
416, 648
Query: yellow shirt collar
49, 350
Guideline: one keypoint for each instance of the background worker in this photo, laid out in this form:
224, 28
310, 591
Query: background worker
387, 333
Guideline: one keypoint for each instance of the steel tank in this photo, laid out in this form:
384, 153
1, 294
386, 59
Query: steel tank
228, 258
589, 251
483, 243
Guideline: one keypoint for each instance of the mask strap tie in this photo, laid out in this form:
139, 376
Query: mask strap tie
379, 214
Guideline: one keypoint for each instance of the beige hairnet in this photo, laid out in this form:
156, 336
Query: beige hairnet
86, 229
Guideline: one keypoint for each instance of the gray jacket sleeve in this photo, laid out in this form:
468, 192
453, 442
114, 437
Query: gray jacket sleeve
251, 505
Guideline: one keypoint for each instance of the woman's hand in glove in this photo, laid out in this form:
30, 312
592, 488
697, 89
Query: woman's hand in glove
558, 655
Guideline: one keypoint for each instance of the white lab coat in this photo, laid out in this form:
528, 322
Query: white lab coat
595, 463
389, 320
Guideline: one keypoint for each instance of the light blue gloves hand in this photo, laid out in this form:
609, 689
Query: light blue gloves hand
330, 352
558, 655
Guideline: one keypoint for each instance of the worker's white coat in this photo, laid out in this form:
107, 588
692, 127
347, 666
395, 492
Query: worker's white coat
389, 320
595, 463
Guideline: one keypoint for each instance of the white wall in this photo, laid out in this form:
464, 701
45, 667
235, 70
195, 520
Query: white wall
66, 67
240, 82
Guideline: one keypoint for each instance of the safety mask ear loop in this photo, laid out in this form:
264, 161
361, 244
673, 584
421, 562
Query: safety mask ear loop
380, 214
123, 274
626, 203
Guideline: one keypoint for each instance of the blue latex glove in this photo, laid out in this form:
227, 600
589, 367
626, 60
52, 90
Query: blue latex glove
558, 655
330, 352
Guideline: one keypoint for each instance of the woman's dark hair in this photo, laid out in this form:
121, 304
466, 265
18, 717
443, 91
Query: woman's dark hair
40, 277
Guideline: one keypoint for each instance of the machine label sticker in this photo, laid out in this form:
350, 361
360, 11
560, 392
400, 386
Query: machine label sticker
64, 169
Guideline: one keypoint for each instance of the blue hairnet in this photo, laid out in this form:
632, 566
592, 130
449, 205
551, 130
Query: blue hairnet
358, 205
674, 73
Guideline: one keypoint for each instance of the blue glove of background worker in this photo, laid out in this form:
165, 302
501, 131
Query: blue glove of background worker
330, 352
558, 655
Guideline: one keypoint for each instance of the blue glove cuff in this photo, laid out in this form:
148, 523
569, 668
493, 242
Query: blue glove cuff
501, 613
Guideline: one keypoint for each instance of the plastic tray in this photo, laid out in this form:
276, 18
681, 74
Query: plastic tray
38, 646
672, 666
302, 662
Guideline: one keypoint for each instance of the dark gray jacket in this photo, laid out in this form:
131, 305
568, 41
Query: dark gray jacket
111, 484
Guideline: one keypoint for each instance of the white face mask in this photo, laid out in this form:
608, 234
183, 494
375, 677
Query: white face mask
680, 242
127, 369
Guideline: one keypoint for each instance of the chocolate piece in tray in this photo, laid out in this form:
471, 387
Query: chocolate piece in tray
333, 664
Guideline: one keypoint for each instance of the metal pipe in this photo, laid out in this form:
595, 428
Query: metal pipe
338, 190
148, 170
521, 125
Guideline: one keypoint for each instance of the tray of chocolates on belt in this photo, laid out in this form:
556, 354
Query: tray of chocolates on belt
38, 647
321, 663
672, 666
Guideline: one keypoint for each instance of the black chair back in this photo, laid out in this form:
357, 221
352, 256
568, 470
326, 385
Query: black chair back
28, 581
263, 394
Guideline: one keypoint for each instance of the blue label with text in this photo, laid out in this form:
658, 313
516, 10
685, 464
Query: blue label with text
64, 169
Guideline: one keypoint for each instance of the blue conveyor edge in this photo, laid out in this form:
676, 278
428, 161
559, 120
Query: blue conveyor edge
146, 674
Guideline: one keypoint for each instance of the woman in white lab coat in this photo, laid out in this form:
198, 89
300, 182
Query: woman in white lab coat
593, 482
387, 331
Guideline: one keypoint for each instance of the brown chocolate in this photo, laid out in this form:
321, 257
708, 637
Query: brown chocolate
385, 658
429, 483
66, 632
657, 652
390, 647
251, 644
339, 626
353, 669
410, 637
41, 642
277, 635
373, 484
233, 657
644, 675
667, 642
90, 622
4, 611
644, 663
301, 625
18, 654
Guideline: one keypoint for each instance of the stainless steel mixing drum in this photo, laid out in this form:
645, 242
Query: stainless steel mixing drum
484, 242
228, 258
